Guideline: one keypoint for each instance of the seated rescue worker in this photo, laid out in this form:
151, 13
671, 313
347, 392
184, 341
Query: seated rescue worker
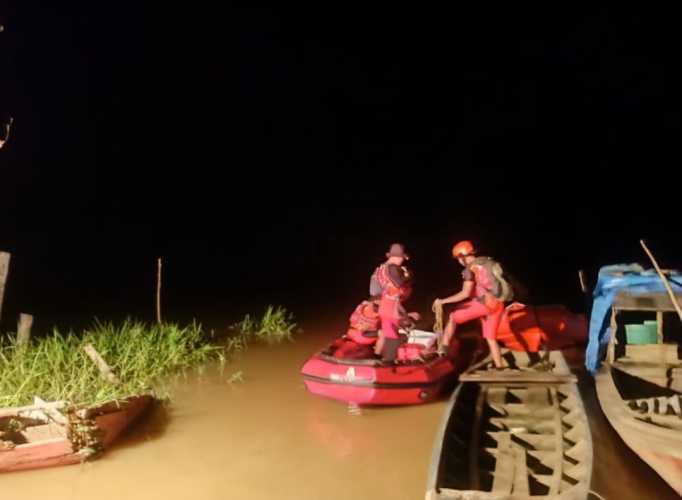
364, 322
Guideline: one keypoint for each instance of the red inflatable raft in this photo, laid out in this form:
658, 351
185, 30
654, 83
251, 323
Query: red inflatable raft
526, 328
345, 371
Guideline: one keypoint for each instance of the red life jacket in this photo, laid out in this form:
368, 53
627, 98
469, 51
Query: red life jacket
365, 318
388, 289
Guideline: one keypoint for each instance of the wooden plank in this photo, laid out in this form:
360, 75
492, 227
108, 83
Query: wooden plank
4, 270
38, 433
659, 327
645, 302
518, 377
650, 355
611, 349
520, 472
21, 410
437, 451
53, 413
504, 466
474, 444
559, 440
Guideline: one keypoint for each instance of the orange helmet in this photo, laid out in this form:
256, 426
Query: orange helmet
462, 249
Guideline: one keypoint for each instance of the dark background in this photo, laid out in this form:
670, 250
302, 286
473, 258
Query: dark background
272, 155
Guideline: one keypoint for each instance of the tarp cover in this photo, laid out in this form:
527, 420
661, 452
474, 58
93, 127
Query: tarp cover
612, 279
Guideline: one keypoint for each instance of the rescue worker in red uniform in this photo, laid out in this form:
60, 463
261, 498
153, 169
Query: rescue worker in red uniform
482, 297
392, 280
364, 323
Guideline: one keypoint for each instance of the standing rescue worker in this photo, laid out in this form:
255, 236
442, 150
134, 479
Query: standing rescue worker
392, 280
482, 296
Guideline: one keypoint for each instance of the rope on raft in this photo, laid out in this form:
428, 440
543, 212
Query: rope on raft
438, 311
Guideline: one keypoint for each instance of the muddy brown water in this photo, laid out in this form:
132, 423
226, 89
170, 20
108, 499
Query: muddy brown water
266, 437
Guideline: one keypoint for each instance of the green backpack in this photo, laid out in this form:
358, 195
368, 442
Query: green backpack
501, 288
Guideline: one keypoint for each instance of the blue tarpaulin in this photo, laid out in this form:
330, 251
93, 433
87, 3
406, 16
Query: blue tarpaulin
613, 279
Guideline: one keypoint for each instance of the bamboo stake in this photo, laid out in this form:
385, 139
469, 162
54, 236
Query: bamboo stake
4, 269
158, 291
581, 276
665, 280
24, 328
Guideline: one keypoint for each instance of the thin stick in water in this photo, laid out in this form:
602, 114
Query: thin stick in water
581, 276
158, 291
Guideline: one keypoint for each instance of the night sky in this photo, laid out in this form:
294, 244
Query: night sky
272, 155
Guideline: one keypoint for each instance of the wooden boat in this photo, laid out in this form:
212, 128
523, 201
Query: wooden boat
513, 434
640, 391
46, 435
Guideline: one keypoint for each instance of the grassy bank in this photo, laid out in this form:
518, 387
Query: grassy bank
56, 367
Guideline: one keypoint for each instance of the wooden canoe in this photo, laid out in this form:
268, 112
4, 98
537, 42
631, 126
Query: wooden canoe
44, 435
513, 435
641, 402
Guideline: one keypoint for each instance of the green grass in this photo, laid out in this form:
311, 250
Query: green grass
56, 367
276, 325
143, 357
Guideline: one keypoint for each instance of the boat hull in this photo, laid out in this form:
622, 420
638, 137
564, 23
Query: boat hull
52, 446
367, 382
658, 446
517, 439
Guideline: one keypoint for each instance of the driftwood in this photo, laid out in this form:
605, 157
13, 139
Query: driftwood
102, 365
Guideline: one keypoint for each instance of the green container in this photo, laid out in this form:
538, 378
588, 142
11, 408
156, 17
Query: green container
640, 334
652, 325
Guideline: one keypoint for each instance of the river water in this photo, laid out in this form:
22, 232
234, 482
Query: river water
266, 437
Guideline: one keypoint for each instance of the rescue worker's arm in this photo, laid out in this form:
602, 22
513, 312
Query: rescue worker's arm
465, 293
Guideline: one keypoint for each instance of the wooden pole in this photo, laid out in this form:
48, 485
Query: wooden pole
581, 277
102, 365
4, 269
158, 291
665, 280
24, 328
